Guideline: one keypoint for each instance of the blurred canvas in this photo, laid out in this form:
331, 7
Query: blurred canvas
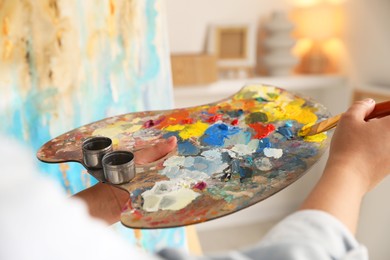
67, 63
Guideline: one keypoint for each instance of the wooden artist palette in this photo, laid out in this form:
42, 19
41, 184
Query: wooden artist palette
231, 154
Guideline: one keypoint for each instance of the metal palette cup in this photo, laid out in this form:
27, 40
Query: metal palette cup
119, 167
94, 149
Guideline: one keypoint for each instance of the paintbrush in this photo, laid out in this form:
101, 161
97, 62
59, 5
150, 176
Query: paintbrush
380, 110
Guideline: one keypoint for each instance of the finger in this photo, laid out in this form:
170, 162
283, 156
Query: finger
383, 119
155, 152
361, 109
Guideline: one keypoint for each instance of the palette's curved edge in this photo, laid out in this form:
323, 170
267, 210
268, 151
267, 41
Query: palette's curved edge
272, 193
322, 151
79, 159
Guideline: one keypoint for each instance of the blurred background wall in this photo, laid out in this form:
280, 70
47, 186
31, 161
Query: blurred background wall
359, 49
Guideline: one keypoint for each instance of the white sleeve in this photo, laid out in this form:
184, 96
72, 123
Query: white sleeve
38, 221
310, 234
304, 235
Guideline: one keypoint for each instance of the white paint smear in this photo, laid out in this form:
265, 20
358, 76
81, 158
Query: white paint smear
263, 164
273, 152
246, 149
168, 195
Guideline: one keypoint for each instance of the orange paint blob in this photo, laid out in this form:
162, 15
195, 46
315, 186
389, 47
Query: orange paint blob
174, 118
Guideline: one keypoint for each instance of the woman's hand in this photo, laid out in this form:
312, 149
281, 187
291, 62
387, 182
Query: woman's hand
362, 147
104, 201
358, 160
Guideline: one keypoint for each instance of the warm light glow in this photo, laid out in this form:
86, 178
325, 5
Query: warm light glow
336, 2
307, 3
319, 22
318, 26
302, 46
335, 50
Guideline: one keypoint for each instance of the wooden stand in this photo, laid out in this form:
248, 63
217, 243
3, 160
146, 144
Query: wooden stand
376, 93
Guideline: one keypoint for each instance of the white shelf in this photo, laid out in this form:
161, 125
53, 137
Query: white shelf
186, 96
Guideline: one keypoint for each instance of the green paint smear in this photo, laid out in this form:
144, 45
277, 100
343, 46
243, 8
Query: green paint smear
273, 95
260, 99
256, 117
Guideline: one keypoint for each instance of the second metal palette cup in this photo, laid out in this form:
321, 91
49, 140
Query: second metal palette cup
119, 167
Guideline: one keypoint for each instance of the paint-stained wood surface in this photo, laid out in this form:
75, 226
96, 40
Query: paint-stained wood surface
231, 154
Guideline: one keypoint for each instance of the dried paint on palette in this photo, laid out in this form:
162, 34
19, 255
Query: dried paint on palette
230, 155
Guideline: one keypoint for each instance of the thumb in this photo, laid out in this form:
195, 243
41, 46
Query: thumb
361, 109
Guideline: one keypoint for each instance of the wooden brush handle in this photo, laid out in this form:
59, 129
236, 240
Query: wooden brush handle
380, 110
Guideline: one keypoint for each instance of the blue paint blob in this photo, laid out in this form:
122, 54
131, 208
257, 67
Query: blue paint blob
137, 192
205, 165
248, 160
235, 113
187, 148
263, 143
169, 134
245, 173
223, 127
288, 124
235, 166
225, 157
286, 132
216, 134
184, 148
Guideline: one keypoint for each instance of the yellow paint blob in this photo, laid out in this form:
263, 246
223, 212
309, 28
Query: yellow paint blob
273, 111
315, 138
259, 92
294, 111
107, 132
116, 129
305, 129
134, 128
173, 128
193, 130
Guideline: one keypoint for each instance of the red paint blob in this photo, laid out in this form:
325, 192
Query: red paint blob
187, 121
148, 124
262, 130
234, 122
214, 118
200, 185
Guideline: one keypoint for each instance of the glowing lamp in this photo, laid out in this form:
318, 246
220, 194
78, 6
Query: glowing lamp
317, 24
